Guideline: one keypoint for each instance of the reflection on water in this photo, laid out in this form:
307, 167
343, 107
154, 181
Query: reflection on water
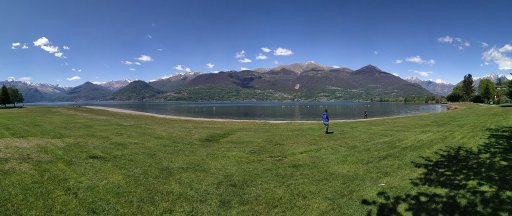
267, 110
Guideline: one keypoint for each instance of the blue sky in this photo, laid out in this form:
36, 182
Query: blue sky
70, 42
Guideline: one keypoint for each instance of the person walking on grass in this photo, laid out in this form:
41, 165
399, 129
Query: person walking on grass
325, 120
365, 115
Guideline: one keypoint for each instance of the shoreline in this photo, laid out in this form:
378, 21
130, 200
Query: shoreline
233, 120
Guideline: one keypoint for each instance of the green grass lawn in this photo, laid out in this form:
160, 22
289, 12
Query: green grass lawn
66, 160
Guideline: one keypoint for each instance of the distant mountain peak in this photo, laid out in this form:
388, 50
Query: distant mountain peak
370, 67
438, 86
493, 76
413, 79
298, 67
418, 80
179, 76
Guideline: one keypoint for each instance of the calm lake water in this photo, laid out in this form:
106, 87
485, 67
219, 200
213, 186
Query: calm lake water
291, 111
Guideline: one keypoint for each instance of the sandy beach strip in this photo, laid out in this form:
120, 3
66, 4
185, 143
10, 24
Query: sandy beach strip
227, 120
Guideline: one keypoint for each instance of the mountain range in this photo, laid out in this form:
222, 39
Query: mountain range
493, 77
300, 81
436, 87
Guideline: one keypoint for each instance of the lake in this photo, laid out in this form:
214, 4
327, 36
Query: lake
289, 111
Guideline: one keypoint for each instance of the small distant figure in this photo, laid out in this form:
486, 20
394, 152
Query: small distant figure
325, 120
365, 114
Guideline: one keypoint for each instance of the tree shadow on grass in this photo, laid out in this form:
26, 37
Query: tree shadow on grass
458, 181
11, 107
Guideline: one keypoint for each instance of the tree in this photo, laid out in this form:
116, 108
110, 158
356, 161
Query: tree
456, 95
499, 82
16, 96
487, 90
5, 98
509, 89
467, 87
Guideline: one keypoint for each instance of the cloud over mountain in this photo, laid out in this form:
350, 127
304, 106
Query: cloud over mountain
499, 56
283, 52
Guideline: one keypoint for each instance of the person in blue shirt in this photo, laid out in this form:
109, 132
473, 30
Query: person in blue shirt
325, 120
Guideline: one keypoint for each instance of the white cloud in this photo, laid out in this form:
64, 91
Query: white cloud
150, 37
145, 58
210, 65
506, 48
423, 73
499, 56
416, 60
15, 45
395, 74
484, 44
240, 54
398, 61
11, 78
445, 39
60, 55
276, 62
283, 52
73, 78
179, 67
131, 63
41, 41
132, 69
66, 47
160, 49
182, 68
266, 50
50, 48
244, 60
243, 68
25, 79
460, 43
335, 66
376, 52
45, 44
261, 57
439, 81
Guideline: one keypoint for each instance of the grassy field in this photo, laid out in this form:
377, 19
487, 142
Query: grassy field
66, 160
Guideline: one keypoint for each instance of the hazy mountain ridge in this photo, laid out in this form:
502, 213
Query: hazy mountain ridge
300, 81
136, 91
439, 88
174, 82
493, 77
88, 92
36, 92
114, 85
